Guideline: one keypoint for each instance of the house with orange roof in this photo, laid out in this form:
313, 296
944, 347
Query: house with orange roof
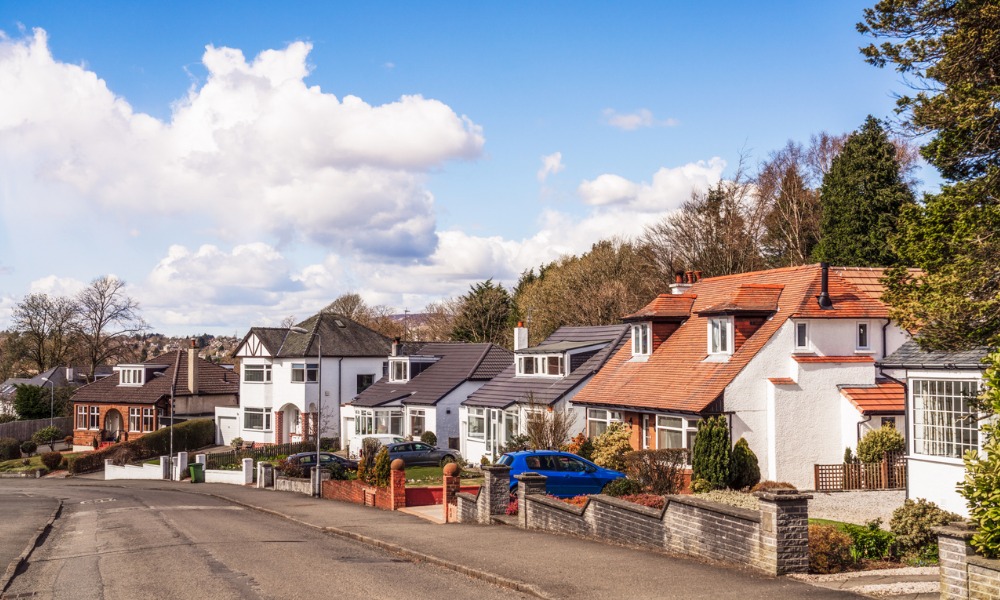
787, 355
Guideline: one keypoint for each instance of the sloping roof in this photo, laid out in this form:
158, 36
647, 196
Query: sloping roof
749, 298
676, 375
456, 364
664, 306
340, 336
911, 356
867, 280
212, 380
884, 398
507, 388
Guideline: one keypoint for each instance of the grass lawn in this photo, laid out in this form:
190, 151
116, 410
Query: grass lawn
432, 476
34, 462
837, 524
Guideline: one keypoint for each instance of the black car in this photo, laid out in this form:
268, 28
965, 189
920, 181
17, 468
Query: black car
418, 453
307, 460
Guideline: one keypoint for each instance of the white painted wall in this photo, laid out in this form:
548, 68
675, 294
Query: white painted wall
447, 424
144, 471
935, 479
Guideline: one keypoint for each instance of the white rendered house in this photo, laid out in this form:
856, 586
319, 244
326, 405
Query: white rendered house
281, 378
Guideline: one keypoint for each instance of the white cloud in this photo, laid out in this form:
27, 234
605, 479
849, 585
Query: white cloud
57, 286
669, 188
551, 165
640, 118
254, 140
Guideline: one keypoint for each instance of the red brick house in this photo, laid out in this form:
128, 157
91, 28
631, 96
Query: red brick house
135, 400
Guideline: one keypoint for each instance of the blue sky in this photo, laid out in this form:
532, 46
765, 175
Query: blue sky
394, 149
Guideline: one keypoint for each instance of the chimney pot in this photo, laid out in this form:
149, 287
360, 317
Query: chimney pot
679, 277
697, 276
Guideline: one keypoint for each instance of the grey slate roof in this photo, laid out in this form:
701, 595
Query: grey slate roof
507, 388
339, 335
58, 376
213, 380
457, 363
911, 356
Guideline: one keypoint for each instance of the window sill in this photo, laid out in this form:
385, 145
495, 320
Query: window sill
717, 358
639, 358
864, 351
942, 460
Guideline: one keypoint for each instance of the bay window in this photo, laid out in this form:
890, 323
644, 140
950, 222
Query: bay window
417, 422
944, 422
135, 419
675, 432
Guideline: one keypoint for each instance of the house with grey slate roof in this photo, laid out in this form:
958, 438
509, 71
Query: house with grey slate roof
940, 421
546, 376
285, 373
422, 391
72, 377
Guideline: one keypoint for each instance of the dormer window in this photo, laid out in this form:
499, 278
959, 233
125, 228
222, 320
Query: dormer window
720, 335
641, 339
131, 376
551, 365
403, 369
399, 370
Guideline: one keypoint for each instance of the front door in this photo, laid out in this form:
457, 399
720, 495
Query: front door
113, 424
494, 422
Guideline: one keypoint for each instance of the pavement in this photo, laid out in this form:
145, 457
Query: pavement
25, 520
534, 563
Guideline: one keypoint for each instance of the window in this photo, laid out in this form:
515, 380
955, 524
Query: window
944, 423
511, 424
257, 418
720, 334
570, 464
135, 419
889, 422
147, 419
641, 339
371, 422
295, 421
477, 423
598, 420
95, 417
553, 365
81, 417
257, 373
304, 373
675, 432
417, 422
863, 343
365, 381
801, 336
525, 365
130, 376
540, 365
398, 370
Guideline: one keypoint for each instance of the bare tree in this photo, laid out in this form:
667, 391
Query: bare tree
791, 223
438, 321
351, 305
546, 427
288, 321
45, 326
107, 318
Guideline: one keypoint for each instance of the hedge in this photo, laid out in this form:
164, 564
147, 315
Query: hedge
189, 435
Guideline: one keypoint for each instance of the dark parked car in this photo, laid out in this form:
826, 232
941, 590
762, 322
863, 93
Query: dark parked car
418, 453
568, 474
307, 460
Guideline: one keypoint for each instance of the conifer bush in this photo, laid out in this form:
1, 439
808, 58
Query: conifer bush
383, 468
744, 472
611, 446
711, 454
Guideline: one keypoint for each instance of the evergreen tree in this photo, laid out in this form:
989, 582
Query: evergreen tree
744, 472
483, 315
32, 402
861, 198
710, 457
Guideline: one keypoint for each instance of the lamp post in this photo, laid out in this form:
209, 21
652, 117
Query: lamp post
319, 402
52, 400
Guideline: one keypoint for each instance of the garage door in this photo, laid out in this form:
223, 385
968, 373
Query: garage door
227, 430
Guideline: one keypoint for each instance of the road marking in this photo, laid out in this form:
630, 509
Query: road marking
98, 500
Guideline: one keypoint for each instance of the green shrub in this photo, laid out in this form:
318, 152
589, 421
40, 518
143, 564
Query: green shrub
236, 443
874, 445
701, 486
329, 444
848, 455
383, 468
46, 435
611, 446
829, 549
982, 474
516, 443
10, 449
7, 417
870, 542
657, 471
429, 438
744, 471
581, 446
768, 485
188, 436
28, 447
366, 462
912, 522
711, 454
51, 460
623, 487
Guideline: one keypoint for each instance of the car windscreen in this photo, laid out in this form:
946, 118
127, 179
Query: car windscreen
505, 460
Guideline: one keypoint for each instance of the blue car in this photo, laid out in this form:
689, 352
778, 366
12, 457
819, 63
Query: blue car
568, 474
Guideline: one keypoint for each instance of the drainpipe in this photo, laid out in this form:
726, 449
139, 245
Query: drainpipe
885, 350
906, 419
860, 423
340, 387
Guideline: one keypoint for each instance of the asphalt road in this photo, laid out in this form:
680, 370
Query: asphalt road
112, 542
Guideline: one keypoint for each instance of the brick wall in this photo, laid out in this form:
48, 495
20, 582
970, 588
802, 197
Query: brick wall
358, 492
84, 437
772, 540
963, 574
468, 506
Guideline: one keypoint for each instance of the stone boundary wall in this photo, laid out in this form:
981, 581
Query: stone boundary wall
773, 540
299, 485
964, 574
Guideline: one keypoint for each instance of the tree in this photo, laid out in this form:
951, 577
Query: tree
949, 50
791, 222
108, 317
32, 402
351, 305
547, 429
710, 456
45, 325
861, 198
744, 472
483, 315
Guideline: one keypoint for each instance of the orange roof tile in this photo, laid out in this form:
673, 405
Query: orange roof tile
885, 397
677, 376
749, 297
812, 358
665, 306
782, 380
867, 280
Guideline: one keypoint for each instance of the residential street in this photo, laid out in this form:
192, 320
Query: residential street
160, 539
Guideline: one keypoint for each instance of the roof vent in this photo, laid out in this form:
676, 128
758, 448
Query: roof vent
339, 323
823, 299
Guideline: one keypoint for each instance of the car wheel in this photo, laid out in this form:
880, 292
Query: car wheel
447, 459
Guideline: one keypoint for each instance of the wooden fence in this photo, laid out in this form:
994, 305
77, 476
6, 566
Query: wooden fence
888, 474
217, 460
23, 430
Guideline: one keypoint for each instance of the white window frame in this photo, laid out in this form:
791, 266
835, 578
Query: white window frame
724, 325
688, 428
265, 419
95, 418
938, 429
538, 365
399, 377
802, 326
642, 339
366, 421
148, 420
416, 413
81, 416
866, 327
131, 376
305, 373
135, 419
511, 423
264, 370
295, 424
477, 414
596, 417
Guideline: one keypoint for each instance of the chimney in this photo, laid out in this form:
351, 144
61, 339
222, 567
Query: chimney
395, 347
824, 287
193, 367
682, 282
520, 336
